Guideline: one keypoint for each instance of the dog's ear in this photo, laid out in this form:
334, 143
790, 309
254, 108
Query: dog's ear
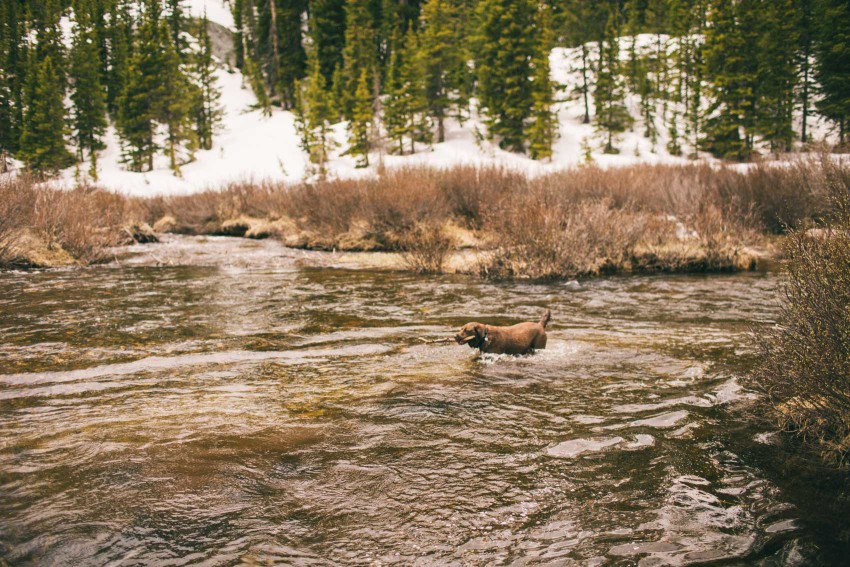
479, 330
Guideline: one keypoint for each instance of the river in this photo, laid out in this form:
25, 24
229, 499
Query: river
221, 402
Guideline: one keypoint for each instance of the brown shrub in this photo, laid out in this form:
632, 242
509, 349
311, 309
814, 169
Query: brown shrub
425, 248
83, 221
548, 237
804, 367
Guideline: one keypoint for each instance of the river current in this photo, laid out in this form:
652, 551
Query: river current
223, 402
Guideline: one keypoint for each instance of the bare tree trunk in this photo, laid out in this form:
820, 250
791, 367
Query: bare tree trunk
274, 39
584, 82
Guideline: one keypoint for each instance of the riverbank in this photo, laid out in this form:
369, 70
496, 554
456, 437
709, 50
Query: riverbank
492, 222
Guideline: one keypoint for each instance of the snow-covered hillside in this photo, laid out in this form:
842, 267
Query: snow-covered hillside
251, 146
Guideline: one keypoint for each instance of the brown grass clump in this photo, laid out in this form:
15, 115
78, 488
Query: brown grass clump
41, 226
804, 369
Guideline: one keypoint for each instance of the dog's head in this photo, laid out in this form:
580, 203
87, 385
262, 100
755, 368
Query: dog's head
473, 334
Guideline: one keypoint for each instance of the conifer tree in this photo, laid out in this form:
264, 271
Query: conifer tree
43, 137
359, 55
584, 22
237, 9
13, 72
727, 71
833, 66
293, 63
120, 34
100, 34
612, 117
328, 34
42, 144
6, 99
777, 72
88, 96
176, 25
207, 108
247, 53
315, 115
544, 126
142, 92
406, 111
173, 106
439, 56
397, 106
503, 63
360, 124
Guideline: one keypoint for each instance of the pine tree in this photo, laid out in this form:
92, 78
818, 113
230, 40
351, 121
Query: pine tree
176, 25
6, 101
612, 117
584, 21
120, 34
397, 106
439, 55
727, 70
293, 63
360, 124
173, 107
833, 65
544, 126
88, 96
328, 34
247, 52
43, 137
777, 73
504, 50
237, 9
42, 144
406, 113
315, 115
207, 108
359, 55
142, 92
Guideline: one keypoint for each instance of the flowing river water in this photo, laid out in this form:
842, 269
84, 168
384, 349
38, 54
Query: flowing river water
240, 404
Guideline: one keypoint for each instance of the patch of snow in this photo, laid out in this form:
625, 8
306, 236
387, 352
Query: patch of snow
253, 147
218, 11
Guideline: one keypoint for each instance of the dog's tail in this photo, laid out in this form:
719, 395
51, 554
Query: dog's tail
547, 316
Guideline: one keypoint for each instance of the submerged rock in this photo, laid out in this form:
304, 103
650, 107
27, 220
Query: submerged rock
141, 233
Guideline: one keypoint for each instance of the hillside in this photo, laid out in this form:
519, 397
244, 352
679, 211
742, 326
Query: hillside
251, 145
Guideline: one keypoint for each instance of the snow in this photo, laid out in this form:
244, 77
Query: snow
251, 146
218, 11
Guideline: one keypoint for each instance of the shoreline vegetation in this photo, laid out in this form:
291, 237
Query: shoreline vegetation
489, 221
803, 370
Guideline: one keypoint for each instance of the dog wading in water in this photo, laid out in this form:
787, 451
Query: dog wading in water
523, 338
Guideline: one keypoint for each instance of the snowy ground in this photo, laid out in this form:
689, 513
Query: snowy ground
251, 146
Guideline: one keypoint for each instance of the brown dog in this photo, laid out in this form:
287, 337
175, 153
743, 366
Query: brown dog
523, 338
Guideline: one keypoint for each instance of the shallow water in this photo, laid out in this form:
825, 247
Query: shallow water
266, 411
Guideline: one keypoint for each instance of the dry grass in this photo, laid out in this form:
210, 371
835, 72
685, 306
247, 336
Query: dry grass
79, 224
804, 368
581, 221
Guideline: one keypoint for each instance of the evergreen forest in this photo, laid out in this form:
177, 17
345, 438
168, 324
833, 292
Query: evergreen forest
727, 77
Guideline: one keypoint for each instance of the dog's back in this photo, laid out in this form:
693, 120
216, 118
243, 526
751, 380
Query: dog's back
521, 338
